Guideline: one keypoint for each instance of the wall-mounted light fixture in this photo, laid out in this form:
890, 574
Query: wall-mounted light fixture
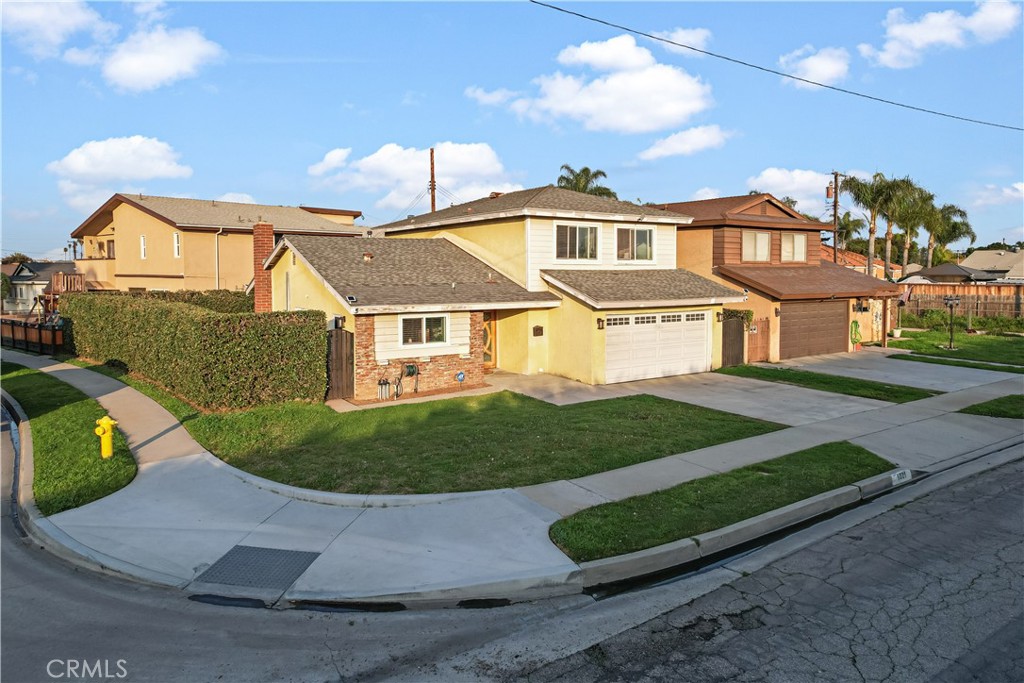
600, 323
719, 316
778, 312
339, 322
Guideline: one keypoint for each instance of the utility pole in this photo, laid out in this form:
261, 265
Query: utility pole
832, 192
433, 184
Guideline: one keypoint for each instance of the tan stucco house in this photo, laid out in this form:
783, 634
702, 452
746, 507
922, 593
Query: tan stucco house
543, 280
141, 242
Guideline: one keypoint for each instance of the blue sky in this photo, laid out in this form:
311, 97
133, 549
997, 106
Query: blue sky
336, 104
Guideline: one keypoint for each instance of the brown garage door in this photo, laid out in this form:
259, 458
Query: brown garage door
813, 328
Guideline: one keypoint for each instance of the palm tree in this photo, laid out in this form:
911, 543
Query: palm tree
945, 226
849, 227
585, 181
873, 196
907, 209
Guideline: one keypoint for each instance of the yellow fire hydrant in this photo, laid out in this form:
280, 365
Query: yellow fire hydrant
105, 430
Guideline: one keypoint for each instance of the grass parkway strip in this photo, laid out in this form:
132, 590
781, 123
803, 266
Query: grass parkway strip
1006, 406
992, 348
471, 443
850, 386
69, 471
711, 503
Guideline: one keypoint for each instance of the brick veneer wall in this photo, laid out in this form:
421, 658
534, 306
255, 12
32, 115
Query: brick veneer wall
262, 245
437, 374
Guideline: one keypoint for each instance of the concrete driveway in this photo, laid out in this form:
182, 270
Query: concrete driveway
875, 364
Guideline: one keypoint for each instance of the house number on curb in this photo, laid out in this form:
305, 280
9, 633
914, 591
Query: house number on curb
901, 477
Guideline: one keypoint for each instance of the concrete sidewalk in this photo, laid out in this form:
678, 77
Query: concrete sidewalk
191, 521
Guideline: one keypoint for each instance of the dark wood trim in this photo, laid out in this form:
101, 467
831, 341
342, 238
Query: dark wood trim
331, 212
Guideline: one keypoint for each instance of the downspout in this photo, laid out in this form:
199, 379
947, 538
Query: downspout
216, 258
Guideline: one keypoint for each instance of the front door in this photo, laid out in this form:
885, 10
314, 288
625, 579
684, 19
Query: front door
490, 339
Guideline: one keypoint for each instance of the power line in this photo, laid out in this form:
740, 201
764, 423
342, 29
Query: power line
773, 71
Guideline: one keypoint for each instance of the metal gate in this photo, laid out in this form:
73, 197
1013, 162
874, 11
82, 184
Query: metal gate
759, 339
732, 342
341, 376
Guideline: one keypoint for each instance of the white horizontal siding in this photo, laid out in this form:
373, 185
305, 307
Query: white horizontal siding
388, 343
542, 249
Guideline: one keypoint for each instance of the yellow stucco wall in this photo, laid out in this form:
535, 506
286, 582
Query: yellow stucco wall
501, 244
199, 253
307, 291
518, 350
575, 350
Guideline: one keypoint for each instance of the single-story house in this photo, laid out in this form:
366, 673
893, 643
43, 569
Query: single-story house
955, 273
859, 262
1005, 264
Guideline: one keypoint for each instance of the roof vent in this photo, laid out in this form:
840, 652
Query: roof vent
367, 257
495, 195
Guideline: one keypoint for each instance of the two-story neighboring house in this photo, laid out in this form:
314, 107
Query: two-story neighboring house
29, 281
807, 306
141, 242
540, 280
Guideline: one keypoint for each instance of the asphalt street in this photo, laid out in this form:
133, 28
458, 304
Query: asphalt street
932, 591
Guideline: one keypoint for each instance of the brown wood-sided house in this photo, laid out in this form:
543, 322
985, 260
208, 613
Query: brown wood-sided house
802, 304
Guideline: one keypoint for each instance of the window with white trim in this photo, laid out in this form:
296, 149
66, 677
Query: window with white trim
634, 244
756, 245
142, 247
177, 245
794, 246
420, 330
576, 242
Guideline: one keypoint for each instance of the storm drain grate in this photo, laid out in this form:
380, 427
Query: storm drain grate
246, 565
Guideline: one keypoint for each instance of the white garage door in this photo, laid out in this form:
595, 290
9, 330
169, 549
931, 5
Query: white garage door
656, 345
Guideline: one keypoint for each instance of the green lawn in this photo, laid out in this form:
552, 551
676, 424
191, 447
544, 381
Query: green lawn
958, 363
69, 471
850, 386
983, 347
1007, 406
712, 502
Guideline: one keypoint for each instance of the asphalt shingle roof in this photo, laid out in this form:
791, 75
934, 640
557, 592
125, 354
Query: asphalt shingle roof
809, 282
547, 198
408, 272
218, 214
640, 286
43, 271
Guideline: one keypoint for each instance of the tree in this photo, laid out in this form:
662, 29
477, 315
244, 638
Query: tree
849, 227
907, 210
945, 226
787, 200
873, 196
585, 181
5, 285
16, 257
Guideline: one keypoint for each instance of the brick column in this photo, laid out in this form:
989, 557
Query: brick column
262, 245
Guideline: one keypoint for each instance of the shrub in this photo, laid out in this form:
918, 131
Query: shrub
214, 360
938, 319
220, 300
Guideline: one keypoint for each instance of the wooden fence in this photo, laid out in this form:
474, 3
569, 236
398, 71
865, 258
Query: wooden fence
37, 337
985, 301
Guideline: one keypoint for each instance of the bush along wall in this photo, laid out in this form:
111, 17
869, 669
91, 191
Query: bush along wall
214, 360
220, 300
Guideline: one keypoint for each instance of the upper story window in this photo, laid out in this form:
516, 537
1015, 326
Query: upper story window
110, 249
576, 242
794, 246
177, 245
634, 244
424, 330
756, 245
142, 247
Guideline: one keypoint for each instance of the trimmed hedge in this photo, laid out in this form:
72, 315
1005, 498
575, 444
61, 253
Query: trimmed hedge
213, 360
220, 300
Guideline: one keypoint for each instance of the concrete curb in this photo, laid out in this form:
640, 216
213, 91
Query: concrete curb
52, 538
354, 500
652, 560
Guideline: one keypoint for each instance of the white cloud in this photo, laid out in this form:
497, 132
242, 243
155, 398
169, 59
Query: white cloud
694, 37
637, 95
620, 53
469, 171
334, 159
906, 41
83, 56
827, 66
491, 97
706, 193
150, 12
687, 142
152, 58
237, 197
85, 172
30, 77
806, 187
993, 194
42, 28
